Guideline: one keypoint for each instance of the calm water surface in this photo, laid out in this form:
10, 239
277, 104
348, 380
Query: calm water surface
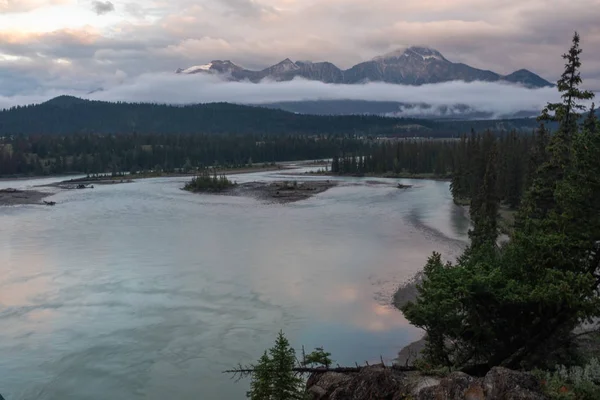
145, 291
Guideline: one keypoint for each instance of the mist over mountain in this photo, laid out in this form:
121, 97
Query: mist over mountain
395, 109
413, 66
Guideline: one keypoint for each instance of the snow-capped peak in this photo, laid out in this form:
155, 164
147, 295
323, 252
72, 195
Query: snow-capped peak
391, 54
196, 68
425, 53
287, 65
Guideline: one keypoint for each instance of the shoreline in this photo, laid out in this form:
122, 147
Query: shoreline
33, 177
131, 178
388, 175
405, 293
14, 197
107, 176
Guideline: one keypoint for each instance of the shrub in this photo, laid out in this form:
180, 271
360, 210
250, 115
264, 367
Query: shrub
572, 383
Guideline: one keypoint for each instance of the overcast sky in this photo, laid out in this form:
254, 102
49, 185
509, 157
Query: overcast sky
49, 46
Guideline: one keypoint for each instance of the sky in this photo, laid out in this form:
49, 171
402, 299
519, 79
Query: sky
50, 47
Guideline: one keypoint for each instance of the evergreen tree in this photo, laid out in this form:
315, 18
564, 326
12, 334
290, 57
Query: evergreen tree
591, 121
539, 153
567, 112
261, 386
484, 206
286, 385
273, 377
541, 196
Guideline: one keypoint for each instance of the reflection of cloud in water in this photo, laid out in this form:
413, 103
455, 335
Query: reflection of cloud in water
342, 294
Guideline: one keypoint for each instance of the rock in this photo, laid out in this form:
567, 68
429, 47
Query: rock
317, 392
321, 386
372, 383
417, 383
505, 384
456, 386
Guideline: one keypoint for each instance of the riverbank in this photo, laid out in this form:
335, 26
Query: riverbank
12, 197
154, 174
218, 171
405, 293
392, 175
506, 215
89, 181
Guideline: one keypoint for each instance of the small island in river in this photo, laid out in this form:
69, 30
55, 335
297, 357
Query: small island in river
278, 192
283, 191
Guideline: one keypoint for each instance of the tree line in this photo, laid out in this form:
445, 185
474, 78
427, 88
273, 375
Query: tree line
93, 153
461, 160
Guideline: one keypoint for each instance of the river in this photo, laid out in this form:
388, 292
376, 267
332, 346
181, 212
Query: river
145, 291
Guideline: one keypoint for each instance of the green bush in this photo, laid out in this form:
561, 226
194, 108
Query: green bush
572, 383
208, 183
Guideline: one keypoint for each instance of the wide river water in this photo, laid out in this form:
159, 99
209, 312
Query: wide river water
145, 291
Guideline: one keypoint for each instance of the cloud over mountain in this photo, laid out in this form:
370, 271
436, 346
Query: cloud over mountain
497, 99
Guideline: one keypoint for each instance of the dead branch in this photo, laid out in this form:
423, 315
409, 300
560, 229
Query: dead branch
243, 371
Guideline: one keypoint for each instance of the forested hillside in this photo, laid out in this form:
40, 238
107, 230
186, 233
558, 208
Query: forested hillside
69, 115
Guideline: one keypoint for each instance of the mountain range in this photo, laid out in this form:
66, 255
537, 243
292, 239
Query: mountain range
413, 66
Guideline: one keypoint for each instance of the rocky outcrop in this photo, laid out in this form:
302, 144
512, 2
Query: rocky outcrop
377, 382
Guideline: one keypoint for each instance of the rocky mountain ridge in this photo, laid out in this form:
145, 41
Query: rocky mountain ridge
413, 66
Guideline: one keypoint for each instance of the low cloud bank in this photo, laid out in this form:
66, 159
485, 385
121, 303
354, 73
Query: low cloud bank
495, 99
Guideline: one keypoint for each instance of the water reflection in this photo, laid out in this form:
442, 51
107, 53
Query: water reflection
145, 291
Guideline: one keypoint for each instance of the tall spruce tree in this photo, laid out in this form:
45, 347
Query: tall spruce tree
485, 204
273, 377
539, 152
286, 385
541, 199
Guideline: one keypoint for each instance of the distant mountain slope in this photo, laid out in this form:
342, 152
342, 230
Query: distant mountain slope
71, 115
414, 66
392, 109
